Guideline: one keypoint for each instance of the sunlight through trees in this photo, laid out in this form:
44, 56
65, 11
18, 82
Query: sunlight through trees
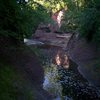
20, 18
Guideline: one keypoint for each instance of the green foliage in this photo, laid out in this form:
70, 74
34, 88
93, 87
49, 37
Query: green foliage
20, 19
72, 15
8, 16
70, 21
90, 24
51, 5
12, 85
83, 16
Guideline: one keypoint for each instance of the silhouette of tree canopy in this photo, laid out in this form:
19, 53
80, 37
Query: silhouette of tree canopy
83, 16
20, 18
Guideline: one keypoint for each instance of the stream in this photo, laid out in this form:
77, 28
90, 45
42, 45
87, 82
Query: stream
65, 83
62, 79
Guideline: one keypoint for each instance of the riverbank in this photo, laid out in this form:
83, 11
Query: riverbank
87, 57
21, 73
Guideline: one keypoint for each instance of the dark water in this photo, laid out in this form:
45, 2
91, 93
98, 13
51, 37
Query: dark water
66, 84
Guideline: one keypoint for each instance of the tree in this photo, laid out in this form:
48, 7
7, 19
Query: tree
20, 19
83, 16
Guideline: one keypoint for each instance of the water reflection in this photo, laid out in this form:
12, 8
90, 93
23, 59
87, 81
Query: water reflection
63, 80
61, 59
68, 84
51, 83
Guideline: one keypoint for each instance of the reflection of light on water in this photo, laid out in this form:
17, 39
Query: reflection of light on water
64, 83
52, 84
46, 82
58, 60
62, 60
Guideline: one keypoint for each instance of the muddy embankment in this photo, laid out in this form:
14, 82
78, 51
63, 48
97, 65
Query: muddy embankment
86, 56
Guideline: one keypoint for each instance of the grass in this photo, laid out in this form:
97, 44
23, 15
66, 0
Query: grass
12, 85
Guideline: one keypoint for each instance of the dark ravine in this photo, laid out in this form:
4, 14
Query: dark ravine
26, 64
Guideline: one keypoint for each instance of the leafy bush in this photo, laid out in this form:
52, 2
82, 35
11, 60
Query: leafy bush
83, 16
20, 19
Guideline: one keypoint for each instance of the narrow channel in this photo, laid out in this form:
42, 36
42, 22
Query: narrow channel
63, 81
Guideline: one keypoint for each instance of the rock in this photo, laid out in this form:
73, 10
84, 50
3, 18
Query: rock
85, 55
32, 42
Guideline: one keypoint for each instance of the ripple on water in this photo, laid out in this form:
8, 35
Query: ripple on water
68, 85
